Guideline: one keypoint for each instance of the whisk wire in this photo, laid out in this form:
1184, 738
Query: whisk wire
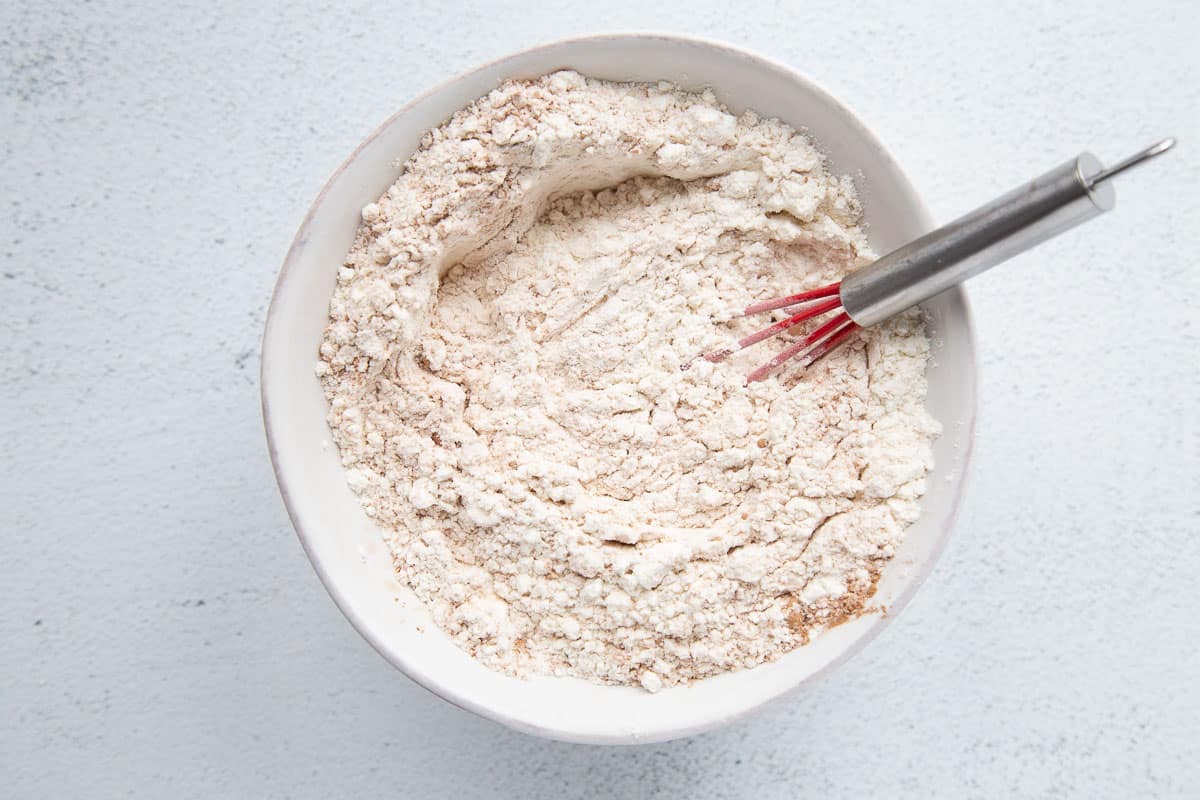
814, 346
792, 300
775, 329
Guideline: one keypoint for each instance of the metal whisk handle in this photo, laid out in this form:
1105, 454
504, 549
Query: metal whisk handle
1028, 215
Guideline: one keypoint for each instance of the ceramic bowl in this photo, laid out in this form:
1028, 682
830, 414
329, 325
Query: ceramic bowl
346, 548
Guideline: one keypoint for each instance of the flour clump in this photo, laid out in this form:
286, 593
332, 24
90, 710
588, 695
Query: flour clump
510, 364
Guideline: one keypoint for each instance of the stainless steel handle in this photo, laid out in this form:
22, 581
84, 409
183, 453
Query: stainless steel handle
1028, 215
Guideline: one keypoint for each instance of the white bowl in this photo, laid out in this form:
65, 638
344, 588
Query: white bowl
346, 548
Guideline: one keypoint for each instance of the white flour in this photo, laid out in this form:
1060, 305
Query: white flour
504, 371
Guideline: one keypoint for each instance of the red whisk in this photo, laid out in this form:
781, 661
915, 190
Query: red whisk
813, 346
1026, 216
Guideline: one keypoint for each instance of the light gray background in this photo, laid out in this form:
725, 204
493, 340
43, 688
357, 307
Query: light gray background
162, 633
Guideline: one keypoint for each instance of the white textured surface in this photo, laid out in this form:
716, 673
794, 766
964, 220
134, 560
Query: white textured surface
162, 632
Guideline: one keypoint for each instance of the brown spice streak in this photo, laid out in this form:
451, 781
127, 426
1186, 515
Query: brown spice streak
803, 617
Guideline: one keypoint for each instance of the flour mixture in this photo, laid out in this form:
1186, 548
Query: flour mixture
513, 385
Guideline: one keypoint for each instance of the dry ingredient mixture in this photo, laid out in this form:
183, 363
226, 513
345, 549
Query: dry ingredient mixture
511, 369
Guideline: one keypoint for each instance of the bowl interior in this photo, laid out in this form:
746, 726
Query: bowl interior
348, 551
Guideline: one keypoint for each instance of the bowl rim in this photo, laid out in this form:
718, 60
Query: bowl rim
448, 692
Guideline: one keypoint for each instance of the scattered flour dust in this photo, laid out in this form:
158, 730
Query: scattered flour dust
507, 367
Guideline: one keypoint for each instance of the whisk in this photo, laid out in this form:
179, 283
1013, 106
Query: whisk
1028, 215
